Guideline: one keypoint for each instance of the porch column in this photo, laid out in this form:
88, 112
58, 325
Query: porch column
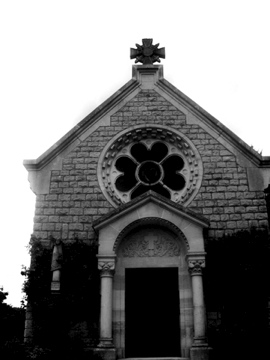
106, 267
196, 262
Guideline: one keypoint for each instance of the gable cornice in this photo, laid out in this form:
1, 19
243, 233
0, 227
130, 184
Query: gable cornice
220, 129
77, 130
165, 86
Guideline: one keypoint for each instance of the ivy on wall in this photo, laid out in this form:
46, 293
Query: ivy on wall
236, 282
70, 316
236, 285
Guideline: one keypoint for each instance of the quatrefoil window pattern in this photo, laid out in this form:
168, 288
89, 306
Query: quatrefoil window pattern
154, 158
149, 169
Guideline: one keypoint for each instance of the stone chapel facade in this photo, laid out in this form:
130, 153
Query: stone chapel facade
149, 171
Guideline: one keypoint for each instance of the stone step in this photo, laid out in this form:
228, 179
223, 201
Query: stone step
158, 358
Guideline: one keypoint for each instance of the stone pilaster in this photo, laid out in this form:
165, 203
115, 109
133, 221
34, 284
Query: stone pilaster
199, 349
106, 265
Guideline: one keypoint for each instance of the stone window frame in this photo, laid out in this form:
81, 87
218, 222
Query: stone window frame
177, 143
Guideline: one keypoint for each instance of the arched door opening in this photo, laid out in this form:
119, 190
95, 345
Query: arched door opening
141, 245
151, 278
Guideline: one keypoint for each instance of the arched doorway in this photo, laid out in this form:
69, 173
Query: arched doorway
152, 295
145, 234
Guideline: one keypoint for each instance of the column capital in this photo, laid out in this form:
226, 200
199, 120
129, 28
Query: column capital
196, 262
106, 265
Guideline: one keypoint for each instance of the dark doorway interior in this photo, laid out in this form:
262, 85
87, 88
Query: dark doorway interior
152, 312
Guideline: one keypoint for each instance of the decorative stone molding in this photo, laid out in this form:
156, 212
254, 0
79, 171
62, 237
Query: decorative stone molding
195, 267
160, 247
196, 262
106, 268
106, 265
120, 154
165, 224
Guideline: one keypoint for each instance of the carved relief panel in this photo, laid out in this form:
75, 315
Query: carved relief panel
150, 243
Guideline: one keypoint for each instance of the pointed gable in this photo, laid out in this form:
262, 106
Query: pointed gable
147, 98
219, 172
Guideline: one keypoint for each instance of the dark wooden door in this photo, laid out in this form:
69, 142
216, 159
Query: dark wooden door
152, 312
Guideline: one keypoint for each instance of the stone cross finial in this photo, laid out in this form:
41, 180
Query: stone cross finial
147, 53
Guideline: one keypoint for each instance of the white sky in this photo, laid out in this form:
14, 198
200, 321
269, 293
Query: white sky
60, 59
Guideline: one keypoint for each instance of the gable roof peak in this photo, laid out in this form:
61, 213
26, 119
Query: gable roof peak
147, 75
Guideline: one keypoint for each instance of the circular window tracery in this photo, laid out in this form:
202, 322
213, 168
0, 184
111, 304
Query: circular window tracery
149, 167
151, 158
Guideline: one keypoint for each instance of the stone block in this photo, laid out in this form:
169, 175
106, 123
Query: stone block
207, 211
199, 353
253, 223
76, 227
68, 191
48, 227
38, 227
263, 223
224, 217
235, 217
218, 195
230, 195
261, 216
231, 224
249, 216
104, 353
242, 224
246, 202
222, 225
252, 209
229, 210
218, 210
41, 219
39, 211
214, 217
56, 191
53, 219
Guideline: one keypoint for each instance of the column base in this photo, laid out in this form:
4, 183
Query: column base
105, 343
200, 352
200, 341
105, 353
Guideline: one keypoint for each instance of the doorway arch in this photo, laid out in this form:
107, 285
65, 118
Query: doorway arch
152, 298
182, 249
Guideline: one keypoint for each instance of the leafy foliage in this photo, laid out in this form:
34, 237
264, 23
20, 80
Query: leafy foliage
11, 328
236, 292
71, 316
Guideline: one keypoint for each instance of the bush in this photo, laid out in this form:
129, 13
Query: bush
77, 304
236, 293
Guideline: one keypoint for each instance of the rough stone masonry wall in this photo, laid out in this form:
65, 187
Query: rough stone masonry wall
75, 199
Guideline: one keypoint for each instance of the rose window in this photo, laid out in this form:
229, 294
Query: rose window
152, 158
149, 169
